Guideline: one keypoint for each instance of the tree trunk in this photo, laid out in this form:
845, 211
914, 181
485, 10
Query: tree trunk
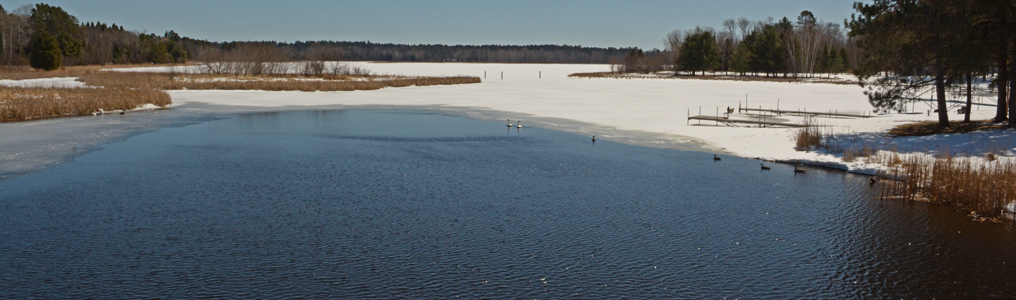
1012, 84
1000, 83
943, 108
970, 98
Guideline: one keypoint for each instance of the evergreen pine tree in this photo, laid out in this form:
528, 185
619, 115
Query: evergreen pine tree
45, 52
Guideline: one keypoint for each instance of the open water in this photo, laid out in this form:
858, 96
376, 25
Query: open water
406, 204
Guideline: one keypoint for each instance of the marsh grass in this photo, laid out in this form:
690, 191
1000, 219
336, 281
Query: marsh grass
808, 137
983, 186
110, 91
323, 82
25, 104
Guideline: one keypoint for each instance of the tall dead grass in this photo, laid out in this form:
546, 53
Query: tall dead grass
24, 104
26, 72
326, 82
808, 137
112, 91
982, 186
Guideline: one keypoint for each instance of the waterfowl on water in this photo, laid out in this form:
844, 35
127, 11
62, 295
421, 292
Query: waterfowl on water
519, 123
873, 179
764, 167
509, 122
594, 139
716, 158
797, 169
123, 112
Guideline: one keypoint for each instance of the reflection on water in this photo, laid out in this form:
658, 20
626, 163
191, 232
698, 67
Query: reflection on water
396, 204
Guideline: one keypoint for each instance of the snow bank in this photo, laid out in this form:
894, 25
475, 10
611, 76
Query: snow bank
58, 82
540, 93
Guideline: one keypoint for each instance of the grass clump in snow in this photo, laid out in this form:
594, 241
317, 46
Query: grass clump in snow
808, 137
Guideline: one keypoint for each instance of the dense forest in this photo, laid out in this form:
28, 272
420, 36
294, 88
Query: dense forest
48, 37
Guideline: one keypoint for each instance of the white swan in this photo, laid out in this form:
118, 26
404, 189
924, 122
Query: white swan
509, 122
519, 124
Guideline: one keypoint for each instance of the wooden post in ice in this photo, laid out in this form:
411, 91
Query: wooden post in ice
717, 117
502, 74
688, 120
541, 74
777, 104
484, 74
700, 113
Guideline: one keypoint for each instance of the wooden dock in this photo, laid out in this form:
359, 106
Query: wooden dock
735, 122
802, 113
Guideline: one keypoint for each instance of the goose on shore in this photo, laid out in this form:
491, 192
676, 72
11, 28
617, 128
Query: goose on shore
509, 122
716, 158
798, 169
519, 123
764, 167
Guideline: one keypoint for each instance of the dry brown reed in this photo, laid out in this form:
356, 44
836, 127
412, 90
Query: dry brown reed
977, 185
24, 104
808, 137
327, 82
26, 72
112, 91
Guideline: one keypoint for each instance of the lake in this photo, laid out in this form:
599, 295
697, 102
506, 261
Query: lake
369, 204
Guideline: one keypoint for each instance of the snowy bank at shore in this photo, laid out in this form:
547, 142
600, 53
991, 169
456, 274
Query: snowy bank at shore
542, 92
544, 95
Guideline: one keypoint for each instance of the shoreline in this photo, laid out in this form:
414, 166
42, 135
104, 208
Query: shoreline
643, 112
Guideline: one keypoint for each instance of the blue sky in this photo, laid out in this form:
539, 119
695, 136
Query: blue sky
640, 23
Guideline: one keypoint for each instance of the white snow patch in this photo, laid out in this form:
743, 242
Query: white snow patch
56, 82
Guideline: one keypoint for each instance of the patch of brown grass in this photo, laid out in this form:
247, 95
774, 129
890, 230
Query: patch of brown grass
931, 127
808, 137
24, 104
982, 187
112, 91
26, 72
166, 81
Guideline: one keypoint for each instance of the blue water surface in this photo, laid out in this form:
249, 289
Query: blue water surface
407, 204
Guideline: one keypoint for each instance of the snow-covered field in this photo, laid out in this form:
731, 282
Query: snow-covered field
621, 109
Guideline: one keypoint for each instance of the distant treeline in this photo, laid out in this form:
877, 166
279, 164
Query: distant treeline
805, 47
48, 37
